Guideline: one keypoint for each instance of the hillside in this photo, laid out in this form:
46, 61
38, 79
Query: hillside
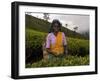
44, 26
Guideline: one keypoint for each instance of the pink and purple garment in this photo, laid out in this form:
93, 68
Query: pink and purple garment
51, 39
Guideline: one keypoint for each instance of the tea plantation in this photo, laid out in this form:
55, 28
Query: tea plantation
78, 51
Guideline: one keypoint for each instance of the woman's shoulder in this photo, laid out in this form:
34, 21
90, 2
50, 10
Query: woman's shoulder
49, 34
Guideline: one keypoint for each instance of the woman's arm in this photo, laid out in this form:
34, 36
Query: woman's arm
65, 44
65, 50
48, 50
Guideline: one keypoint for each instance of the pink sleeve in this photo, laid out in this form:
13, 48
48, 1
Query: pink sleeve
64, 39
48, 41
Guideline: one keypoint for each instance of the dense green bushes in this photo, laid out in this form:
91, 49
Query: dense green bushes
78, 46
34, 39
67, 61
78, 51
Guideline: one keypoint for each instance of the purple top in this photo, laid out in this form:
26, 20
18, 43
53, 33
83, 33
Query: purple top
51, 39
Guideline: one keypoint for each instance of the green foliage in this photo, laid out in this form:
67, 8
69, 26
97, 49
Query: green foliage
66, 61
37, 24
78, 46
35, 39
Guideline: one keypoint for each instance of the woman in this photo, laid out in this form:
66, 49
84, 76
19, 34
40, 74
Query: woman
56, 45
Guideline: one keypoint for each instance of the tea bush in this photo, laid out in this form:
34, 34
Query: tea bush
34, 40
78, 46
66, 61
33, 44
